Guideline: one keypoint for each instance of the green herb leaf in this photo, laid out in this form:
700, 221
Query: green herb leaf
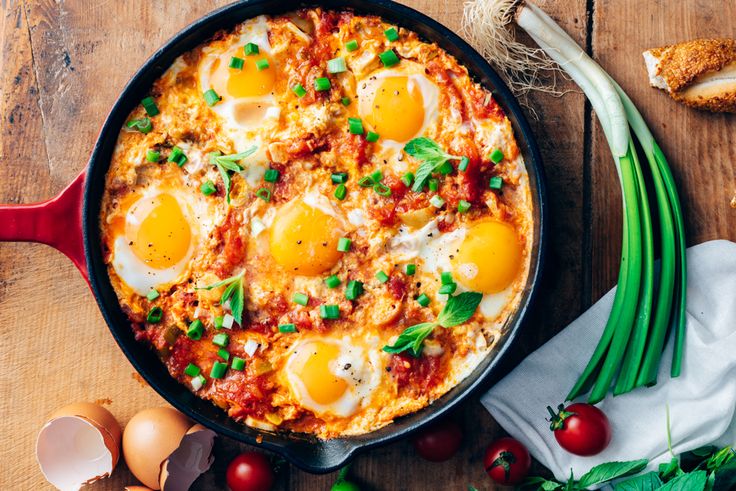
694, 481
412, 339
539, 483
234, 292
724, 478
670, 470
229, 163
459, 309
646, 482
432, 157
719, 458
611, 470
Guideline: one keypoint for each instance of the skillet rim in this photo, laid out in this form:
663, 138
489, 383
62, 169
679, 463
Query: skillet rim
306, 452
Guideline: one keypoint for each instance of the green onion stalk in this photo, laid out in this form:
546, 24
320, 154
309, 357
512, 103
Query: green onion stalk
646, 305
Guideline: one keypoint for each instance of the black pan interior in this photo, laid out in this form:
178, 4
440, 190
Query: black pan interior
308, 453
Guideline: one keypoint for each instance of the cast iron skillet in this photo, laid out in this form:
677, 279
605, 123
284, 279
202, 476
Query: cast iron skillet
78, 206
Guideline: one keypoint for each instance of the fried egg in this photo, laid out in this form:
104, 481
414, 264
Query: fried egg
156, 238
398, 103
304, 235
332, 376
485, 256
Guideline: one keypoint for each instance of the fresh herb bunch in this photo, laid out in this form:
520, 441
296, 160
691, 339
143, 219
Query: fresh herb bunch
229, 163
704, 469
457, 310
432, 157
234, 292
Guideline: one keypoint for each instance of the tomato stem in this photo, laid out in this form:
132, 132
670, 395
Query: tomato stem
557, 419
505, 459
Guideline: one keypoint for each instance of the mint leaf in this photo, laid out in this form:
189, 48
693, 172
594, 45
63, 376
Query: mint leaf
670, 470
611, 470
694, 481
459, 309
724, 478
646, 482
228, 163
539, 483
432, 157
234, 292
412, 339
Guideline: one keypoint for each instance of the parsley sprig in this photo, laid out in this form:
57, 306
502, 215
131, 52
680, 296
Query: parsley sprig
457, 310
432, 157
234, 292
227, 164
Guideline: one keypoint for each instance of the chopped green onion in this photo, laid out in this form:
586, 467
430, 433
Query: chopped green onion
411, 269
381, 189
437, 201
355, 125
198, 382
329, 311
177, 156
496, 182
423, 300
221, 340
322, 84
264, 194
155, 315
433, 185
150, 106
448, 289
446, 278
143, 125
339, 177
286, 328
251, 49
299, 90
218, 322
237, 364
332, 281
341, 191
336, 65
300, 298
389, 58
366, 182
377, 176
271, 175
153, 295
223, 353
195, 330
211, 97
496, 155
218, 369
407, 179
192, 370
354, 290
382, 277
343, 245
345, 101
262, 64
208, 188
351, 45
236, 63
153, 155
391, 34
463, 206
445, 168
463, 165
371, 137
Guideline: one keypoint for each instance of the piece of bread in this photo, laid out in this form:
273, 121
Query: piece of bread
700, 73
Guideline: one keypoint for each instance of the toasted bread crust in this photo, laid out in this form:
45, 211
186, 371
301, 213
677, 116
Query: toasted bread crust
680, 64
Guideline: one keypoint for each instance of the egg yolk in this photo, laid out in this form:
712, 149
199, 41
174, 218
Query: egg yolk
158, 231
397, 110
313, 369
249, 81
304, 239
489, 258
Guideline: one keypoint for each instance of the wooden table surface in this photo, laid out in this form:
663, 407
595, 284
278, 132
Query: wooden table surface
63, 63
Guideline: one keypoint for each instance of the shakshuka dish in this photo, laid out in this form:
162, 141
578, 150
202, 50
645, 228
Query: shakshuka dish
318, 221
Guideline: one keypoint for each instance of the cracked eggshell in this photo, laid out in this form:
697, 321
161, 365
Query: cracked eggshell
190, 460
137, 488
150, 437
78, 445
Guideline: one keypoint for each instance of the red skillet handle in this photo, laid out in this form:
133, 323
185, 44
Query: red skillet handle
56, 222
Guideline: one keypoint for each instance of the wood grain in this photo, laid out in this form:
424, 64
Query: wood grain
63, 63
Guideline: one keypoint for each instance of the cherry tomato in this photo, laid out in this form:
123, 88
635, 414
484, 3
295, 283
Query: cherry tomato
250, 471
507, 461
440, 441
581, 429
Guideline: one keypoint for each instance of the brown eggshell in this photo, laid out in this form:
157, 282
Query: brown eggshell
191, 459
74, 446
137, 488
149, 438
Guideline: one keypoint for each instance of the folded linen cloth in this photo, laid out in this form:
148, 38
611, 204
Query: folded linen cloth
702, 401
